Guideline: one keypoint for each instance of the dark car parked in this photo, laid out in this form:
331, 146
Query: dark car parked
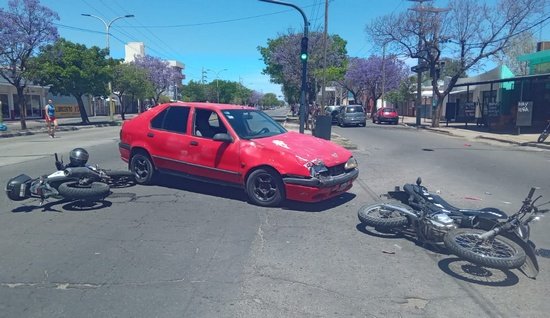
352, 115
333, 111
386, 114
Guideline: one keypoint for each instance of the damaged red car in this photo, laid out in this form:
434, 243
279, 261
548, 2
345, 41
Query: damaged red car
239, 146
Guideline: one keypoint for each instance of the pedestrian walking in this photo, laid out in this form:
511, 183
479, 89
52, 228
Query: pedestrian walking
51, 121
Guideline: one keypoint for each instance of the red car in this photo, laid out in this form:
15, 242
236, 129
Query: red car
237, 146
386, 114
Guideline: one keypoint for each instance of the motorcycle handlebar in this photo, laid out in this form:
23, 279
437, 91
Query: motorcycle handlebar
531, 192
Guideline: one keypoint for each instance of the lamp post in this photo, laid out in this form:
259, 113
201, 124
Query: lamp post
217, 87
303, 57
107, 28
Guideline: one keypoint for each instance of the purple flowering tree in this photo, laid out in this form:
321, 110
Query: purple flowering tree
364, 77
255, 98
25, 26
160, 73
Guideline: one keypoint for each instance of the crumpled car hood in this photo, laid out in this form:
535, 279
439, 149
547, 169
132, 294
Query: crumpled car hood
306, 148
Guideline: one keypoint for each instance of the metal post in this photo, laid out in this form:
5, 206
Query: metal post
304, 63
107, 28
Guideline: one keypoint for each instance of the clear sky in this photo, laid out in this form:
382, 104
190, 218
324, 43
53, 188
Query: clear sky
219, 35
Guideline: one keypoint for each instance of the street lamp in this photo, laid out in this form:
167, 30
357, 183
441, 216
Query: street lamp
107, 28
217, 78
303, 57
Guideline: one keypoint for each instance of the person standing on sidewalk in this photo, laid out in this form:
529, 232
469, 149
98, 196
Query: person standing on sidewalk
51, 121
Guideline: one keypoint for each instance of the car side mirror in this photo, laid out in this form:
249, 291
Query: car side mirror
223, 137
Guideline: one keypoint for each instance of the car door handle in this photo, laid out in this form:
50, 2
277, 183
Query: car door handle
150, 134
194, 143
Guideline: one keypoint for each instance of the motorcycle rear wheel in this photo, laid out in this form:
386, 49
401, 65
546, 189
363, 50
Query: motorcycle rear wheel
500, 252
379, 216
73, 191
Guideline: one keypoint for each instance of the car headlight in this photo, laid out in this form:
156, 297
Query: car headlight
317, 169
351, 164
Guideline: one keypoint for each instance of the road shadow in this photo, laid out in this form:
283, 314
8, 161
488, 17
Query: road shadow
238, 194
64, 205
471, 273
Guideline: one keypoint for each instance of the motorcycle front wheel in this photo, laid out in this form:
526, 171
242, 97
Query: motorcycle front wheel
380, 216
73, 191
499, 252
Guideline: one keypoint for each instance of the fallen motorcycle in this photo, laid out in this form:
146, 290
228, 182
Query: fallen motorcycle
486, 237
71, 184
78, 157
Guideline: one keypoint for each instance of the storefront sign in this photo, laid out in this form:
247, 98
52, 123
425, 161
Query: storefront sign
67, 111
493, 109
525, 114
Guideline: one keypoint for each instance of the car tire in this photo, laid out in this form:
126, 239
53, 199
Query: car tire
265, 187
142, 167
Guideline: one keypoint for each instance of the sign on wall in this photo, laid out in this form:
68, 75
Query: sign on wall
67, 111
525, 114
493, 109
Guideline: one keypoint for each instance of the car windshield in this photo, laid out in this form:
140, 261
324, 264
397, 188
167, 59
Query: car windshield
250, 124
354, 109
389, 110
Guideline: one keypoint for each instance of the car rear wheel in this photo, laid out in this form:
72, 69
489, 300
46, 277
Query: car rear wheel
265, 187
142, 167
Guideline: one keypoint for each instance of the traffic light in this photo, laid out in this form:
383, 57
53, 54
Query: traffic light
303, 52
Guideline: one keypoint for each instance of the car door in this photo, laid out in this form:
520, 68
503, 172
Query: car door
169, 140
209, 158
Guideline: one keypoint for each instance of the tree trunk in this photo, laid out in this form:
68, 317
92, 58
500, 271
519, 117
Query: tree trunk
122, 107
22, 109
436, 116
82, 109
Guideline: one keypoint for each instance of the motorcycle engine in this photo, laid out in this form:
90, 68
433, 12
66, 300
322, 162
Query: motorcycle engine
438, 225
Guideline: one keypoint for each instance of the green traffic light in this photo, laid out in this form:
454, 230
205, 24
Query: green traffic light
303, 56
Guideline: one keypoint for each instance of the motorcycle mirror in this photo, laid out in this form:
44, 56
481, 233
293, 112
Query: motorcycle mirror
418, 181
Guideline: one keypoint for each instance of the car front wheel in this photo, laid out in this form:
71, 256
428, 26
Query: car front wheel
265, 187
142, 167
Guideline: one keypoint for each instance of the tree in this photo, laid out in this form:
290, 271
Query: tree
364, 77
130, 80
472, 33
283, 64
73, 69
523, 43
24, 26
160, 73
270, 99
194, 91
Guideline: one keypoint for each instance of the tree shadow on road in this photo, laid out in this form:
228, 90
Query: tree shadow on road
64, 205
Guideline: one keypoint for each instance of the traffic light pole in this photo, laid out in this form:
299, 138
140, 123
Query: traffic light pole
303, 57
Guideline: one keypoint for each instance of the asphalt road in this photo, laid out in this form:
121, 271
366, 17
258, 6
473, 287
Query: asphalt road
185, 249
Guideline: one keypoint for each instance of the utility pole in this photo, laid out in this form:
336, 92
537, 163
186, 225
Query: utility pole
422, 66
203, 76
325, 39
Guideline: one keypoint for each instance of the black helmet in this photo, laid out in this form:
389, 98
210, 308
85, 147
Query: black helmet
78, 157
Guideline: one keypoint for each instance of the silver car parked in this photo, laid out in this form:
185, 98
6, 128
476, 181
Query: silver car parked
352, 115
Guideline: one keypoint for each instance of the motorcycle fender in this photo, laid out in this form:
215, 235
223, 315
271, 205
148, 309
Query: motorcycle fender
531, 266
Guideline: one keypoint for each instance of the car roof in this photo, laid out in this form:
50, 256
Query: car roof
212, 106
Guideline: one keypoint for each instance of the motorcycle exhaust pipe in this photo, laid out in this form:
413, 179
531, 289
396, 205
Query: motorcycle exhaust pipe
81, 172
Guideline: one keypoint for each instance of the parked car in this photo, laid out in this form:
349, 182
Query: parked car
333, 111
386, 114
237, 146
352, 115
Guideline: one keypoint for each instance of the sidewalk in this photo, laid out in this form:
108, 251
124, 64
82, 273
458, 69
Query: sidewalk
472, 132
38, 126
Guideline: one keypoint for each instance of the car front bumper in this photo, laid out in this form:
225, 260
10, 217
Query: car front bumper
318, 189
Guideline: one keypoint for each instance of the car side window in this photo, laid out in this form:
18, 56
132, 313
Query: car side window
207, 123
159, 119
172, 119
176, 119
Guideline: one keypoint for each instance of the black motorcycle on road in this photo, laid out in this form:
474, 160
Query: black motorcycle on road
74, 181
486, 237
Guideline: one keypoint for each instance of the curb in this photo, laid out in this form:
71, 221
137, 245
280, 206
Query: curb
34, 131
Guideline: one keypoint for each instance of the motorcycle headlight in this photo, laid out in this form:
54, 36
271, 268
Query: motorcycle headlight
317, 169
351, 164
